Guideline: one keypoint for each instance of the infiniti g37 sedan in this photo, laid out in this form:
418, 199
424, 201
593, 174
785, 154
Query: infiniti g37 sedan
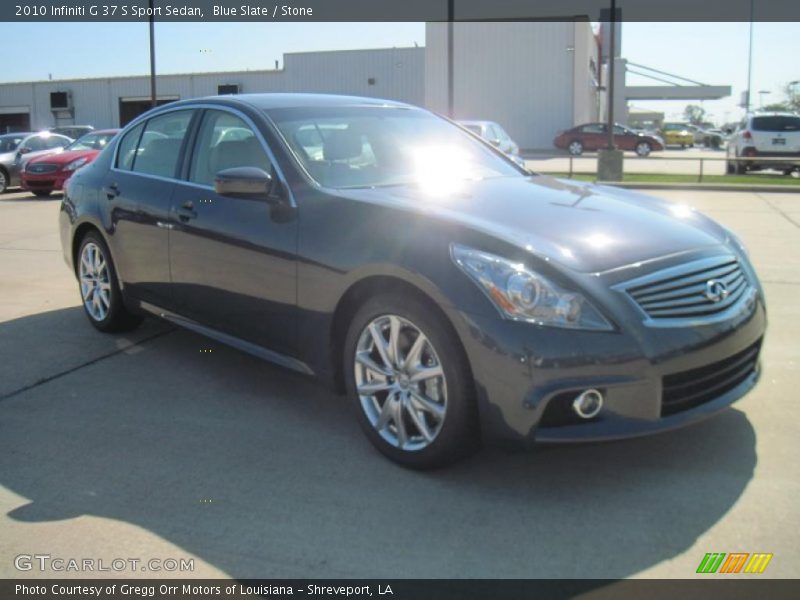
453, 296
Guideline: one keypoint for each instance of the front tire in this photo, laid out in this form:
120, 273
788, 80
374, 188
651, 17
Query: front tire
410, 383
3, 181
99, 287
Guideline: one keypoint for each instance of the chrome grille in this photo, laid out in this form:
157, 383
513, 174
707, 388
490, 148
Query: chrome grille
691, 290
41, 168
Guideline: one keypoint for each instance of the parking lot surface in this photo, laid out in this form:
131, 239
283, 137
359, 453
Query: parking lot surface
146, 445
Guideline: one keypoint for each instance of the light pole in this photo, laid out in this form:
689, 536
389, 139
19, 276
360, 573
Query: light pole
750, 58
153, 100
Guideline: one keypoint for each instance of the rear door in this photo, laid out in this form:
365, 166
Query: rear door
776, 133
138, 190
233, 260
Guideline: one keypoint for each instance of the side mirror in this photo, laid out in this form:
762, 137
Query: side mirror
24, 150
244, 182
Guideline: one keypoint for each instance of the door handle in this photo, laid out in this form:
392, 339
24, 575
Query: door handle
186, 211
112, 191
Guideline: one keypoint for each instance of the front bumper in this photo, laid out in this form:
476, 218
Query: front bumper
49, 182
526, 376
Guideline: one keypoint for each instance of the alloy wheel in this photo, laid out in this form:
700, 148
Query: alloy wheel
576, 148
400, 382
643, 149
95, 282
3, 181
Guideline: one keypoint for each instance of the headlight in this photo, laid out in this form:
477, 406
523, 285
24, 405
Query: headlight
76, 164
523, 295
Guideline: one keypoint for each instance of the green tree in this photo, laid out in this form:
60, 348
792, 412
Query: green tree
694, 113
792, 93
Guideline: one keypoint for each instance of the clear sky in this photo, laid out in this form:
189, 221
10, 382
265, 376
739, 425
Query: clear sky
713, 53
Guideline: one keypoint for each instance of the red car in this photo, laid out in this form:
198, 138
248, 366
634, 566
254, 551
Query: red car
593, 136
45, 174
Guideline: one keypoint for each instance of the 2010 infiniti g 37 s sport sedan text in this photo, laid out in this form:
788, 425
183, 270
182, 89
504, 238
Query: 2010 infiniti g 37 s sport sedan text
453, 295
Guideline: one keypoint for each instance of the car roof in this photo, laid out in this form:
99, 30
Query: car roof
476, 122
17, 134
283, 100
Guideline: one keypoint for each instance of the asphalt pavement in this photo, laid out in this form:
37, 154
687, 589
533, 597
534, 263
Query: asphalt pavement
146, 446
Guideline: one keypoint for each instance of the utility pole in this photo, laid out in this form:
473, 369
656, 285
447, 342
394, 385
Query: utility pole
612, 45
609, 159
451, 11
153, 100
748, 100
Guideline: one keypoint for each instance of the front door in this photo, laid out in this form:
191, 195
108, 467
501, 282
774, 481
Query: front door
233, 260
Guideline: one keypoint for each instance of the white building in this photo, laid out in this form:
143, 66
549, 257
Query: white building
535, 79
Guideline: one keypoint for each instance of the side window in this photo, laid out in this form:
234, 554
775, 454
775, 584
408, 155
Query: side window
55, 141
225, 141
594, 128
160, 144
35, 143
618, 130
127, 148
502, 134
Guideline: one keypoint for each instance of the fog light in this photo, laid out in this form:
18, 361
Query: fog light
588, 403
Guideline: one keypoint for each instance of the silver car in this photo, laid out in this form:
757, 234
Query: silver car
16, 149
494, 134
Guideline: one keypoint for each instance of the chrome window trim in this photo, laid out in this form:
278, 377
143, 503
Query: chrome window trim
203, 106
745, 303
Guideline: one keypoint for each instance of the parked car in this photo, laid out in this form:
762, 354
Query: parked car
453, 296
593, 136
72, 131
706, 137
765, 136
494, 134
17, 148
677, 134
45, 174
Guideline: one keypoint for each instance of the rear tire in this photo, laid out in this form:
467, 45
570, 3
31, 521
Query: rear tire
417, 408
575, 147
3, 181
741, 167
99, 287
643, 149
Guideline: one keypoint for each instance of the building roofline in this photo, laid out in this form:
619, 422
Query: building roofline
205, 73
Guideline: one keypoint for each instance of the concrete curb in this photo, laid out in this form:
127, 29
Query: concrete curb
704, 187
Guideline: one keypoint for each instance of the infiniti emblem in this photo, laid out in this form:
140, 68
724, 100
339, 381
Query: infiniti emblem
716, 290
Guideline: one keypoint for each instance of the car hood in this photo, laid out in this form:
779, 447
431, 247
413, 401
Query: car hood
584, 227
64, 157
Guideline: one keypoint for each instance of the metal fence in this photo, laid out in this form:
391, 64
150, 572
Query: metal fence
792, 164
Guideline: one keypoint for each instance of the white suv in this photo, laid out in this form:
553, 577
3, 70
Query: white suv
767, 135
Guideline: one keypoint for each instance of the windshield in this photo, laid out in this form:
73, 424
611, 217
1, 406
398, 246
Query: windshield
348, 147
776, 123
91, 141
9, 143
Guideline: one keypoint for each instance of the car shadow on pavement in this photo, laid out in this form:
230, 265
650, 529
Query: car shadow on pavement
16, 197
264, 473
